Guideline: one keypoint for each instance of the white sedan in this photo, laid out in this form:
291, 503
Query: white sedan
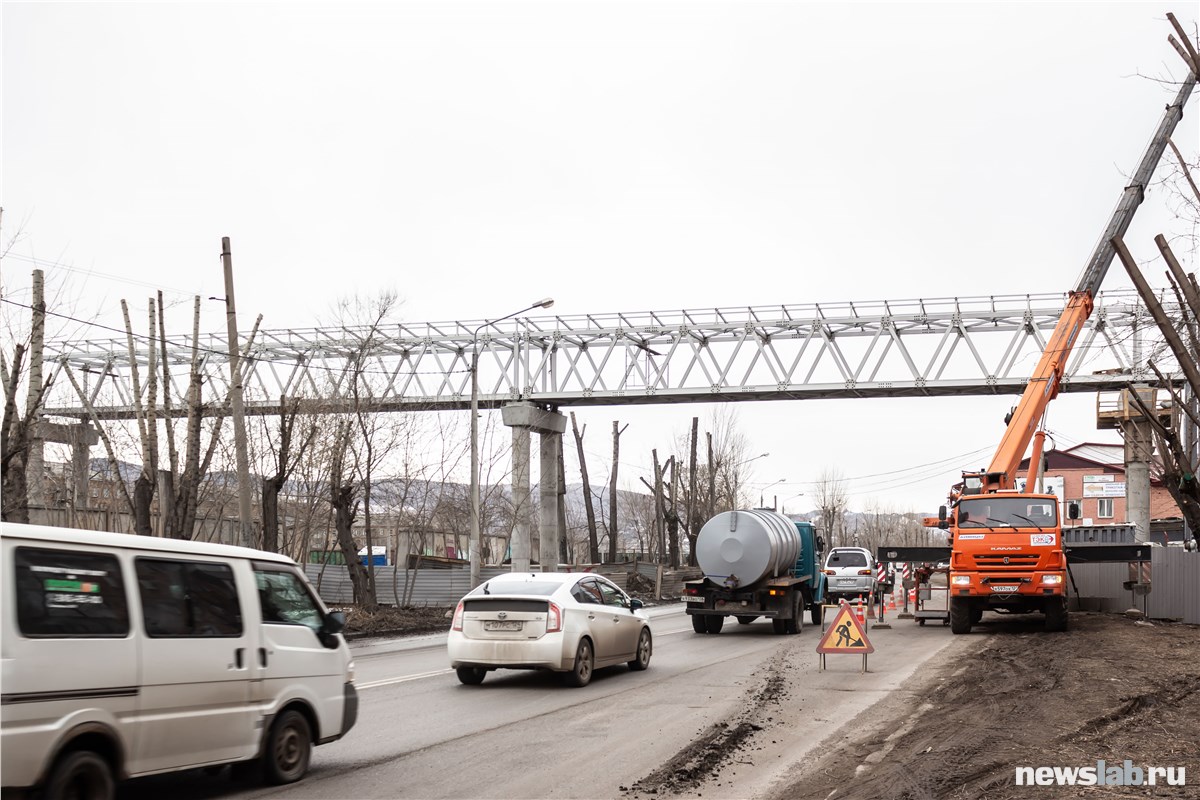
572, 623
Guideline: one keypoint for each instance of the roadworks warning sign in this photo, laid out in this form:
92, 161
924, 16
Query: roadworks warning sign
845, 635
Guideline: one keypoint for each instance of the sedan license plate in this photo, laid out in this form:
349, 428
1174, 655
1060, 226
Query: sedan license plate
502, 625
1006, 588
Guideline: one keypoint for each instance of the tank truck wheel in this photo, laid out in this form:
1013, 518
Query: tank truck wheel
745, 620
793, 625
714, 624
779, 626
698, 624
1056, 614
960, 615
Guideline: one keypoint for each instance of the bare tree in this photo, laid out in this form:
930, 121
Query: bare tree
593, 543
613, 527
285, 461
832, 498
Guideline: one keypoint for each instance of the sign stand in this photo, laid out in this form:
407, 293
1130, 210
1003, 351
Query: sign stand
845, 635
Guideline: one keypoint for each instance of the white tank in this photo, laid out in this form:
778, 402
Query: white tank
738, 548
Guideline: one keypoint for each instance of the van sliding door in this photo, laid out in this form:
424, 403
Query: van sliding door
196, 665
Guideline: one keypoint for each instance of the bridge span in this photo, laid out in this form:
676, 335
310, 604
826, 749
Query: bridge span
900, 348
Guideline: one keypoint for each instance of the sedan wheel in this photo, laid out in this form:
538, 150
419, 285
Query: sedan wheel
585, 661
471, 676
644, 649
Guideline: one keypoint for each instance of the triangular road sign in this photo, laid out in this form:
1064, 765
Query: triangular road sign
845, 635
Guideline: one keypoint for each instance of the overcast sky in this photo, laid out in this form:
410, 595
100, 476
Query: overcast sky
617, 156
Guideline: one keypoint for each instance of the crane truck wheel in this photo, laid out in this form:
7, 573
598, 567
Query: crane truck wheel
976, 614
698, 624
1056, 614
960, 615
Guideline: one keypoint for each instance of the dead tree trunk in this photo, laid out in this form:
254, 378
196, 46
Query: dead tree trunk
613, 529
345, 509
286, 462
14, 449
588, 506
693, 524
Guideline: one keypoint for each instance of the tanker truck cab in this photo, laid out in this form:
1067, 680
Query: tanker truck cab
1006, 555
756, 563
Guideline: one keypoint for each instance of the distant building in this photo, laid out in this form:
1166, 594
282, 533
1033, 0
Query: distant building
1093, 475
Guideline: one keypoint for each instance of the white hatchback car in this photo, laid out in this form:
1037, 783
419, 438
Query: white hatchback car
572, 623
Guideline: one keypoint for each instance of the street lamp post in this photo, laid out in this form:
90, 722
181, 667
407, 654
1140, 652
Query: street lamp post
763, 492
785, 502
733, 502
476, 537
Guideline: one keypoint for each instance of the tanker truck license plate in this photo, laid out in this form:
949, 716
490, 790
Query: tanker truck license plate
691, 598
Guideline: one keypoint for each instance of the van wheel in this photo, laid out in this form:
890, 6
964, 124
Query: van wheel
289, 748
80, 775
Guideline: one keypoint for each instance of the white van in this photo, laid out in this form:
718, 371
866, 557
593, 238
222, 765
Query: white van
129, 655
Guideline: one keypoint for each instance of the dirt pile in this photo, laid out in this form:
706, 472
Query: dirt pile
396, 621
1109, 689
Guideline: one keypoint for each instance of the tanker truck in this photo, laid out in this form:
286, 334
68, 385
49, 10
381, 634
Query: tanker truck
756, 563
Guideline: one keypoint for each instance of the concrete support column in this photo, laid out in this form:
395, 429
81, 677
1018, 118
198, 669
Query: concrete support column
520, 496
525, 418
550, 443
1139, 448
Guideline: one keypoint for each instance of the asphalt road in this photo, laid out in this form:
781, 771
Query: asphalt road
421, 734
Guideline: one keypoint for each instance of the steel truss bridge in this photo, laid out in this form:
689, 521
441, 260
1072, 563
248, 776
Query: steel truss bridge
904, 348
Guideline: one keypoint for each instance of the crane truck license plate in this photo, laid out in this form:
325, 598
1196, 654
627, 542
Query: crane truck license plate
1004, 588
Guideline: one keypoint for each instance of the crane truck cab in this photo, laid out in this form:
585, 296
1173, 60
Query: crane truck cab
1006, 555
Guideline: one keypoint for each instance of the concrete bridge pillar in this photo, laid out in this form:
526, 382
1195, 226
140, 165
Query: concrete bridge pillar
1139, 449
525, 418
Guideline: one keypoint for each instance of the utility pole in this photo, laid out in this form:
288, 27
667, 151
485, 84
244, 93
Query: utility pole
34, 466
235, 400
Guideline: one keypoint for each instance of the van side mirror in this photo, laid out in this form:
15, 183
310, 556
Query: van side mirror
335, 622
1073, 511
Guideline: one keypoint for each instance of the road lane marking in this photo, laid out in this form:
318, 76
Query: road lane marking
403, 679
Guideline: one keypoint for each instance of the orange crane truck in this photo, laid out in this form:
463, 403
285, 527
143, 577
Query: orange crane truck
1006, 548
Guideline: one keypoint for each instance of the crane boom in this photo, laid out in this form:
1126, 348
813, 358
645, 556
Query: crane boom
1043, 384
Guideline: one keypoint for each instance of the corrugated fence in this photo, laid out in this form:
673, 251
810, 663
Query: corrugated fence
1174, 579
444, 587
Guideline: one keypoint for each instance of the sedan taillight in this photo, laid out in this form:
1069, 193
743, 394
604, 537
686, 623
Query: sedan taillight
553, 618
456, 624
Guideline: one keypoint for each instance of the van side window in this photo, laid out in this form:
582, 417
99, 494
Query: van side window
64, 594
285, 600
188, 598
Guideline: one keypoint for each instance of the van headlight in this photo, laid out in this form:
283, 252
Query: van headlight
961, 580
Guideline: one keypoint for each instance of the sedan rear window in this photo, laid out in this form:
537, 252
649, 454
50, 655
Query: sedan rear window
545, 588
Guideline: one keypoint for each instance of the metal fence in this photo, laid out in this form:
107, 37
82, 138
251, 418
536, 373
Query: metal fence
1174, 581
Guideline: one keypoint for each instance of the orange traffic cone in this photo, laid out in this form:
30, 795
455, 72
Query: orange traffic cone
858, 610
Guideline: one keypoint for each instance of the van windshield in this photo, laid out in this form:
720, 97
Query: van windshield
994, 511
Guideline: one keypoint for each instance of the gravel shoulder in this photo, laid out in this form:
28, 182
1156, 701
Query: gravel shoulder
1010, 695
